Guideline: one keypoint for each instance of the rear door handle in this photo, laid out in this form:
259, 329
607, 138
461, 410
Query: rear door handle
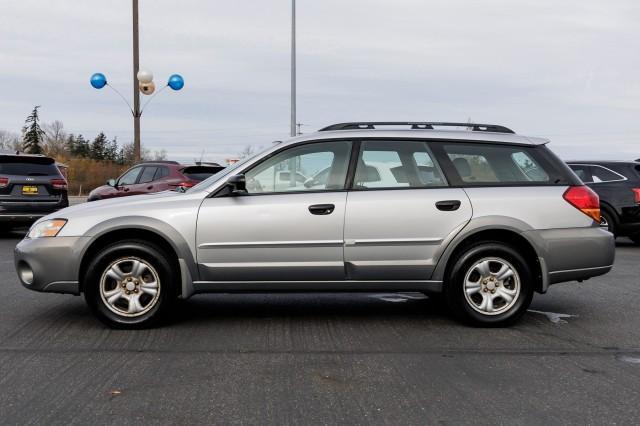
322, 209
448, 205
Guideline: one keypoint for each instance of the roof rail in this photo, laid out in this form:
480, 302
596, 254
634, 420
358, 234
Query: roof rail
158, 162
416, 125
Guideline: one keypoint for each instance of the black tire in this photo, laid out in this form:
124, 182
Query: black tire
454, 289
635, 238
610, 220
124, 251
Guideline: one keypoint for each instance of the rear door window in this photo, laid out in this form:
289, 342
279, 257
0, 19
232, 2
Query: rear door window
396, 164
161, 173
495, 165
148, 173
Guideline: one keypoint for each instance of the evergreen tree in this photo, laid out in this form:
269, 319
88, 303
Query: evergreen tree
32, 134
111, 152
99, 146
79, 146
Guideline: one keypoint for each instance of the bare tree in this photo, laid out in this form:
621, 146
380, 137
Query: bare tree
246, 152
10, 141
55, 139
160, 155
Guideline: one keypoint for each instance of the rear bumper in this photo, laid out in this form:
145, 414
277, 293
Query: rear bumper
573, 253
50, 264
20, 218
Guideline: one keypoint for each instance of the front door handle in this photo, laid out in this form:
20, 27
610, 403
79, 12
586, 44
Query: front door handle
322, 209
448, 205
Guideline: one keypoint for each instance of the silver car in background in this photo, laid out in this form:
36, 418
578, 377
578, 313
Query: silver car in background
481, 215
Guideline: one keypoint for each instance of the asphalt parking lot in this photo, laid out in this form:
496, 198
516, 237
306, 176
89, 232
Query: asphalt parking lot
325, 359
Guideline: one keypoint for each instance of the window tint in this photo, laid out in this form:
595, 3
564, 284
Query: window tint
161, 173
129, 178
601, 174
529, 167
28, 169
484, 164
396, 164
200, 172
304, 163
583, 172
148, 174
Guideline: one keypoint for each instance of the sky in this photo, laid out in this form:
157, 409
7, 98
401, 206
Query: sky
567, 70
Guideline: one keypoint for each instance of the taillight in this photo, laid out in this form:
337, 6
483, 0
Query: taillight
636, 193
4, 182
584, 199
187, 184
59, 183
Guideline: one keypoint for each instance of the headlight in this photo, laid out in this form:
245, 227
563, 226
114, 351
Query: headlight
47, 228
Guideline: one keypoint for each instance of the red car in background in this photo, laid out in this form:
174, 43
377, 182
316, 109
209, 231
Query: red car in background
155, 176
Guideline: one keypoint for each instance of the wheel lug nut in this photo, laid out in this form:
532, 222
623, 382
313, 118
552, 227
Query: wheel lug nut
485, 290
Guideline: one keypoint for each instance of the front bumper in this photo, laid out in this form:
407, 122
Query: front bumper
574, 253
50, 264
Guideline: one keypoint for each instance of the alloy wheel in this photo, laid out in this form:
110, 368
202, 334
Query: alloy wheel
130, 287
492, 286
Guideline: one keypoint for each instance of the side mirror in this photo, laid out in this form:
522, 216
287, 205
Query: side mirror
238, 184
111, 182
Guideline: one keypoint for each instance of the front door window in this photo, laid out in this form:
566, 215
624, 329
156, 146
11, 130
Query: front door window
313, 167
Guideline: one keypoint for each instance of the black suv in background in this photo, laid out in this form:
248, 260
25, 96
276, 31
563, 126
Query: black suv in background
31, 186
618, 185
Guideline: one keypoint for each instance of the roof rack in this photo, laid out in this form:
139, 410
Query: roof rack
421, 125
158, 162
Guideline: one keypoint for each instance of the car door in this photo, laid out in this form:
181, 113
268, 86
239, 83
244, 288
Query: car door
126, 182
146, 182
279, 231
399, 212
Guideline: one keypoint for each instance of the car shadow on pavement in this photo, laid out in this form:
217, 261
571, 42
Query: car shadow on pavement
407, 306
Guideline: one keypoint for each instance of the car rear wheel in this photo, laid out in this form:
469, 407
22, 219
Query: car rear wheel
489, 285
130, 285
635, 238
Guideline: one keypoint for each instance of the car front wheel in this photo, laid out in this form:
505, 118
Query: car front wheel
490, 285
130, 285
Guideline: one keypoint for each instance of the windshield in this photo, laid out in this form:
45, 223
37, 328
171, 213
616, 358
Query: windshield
224, 172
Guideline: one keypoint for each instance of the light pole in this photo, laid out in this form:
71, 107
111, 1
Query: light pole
293, 67
142, 82
136, 92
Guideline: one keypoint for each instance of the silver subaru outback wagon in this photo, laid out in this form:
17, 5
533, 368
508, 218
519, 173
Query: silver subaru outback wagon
482, 216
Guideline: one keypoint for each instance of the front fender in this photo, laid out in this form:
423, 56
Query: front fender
186, 257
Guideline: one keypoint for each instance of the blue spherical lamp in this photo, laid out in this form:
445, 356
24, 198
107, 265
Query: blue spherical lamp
98, 80
176, 82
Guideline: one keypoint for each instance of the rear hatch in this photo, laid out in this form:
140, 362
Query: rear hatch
200, 173
30, 183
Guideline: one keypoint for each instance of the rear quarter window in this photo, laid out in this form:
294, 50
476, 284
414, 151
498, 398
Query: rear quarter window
486, 164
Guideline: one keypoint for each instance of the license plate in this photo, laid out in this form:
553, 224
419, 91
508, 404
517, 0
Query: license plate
30, 190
